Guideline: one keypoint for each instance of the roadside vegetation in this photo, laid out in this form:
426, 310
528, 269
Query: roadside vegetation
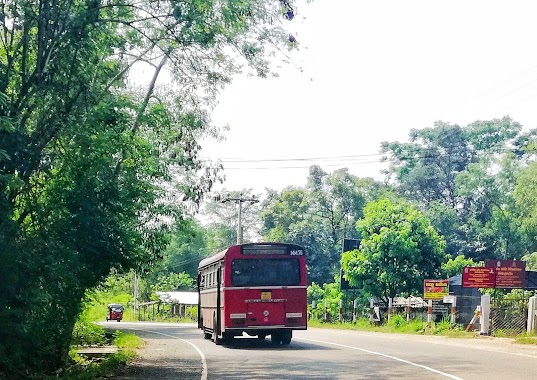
80, 367
399, 324
526, 339
86, 334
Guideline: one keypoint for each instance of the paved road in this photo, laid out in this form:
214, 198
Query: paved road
178, 351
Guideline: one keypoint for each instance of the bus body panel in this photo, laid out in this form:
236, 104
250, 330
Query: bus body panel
286, 307
259, 293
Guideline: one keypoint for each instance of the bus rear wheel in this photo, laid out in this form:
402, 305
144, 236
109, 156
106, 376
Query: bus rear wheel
281, 337
286, 337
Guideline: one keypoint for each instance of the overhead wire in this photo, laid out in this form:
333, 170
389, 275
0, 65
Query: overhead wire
350, 161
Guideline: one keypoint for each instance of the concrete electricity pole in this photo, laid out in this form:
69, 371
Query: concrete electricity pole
238, 200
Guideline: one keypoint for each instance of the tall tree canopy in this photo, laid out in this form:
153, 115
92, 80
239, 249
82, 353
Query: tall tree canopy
463, 179
92, 171
398, 250
319, 216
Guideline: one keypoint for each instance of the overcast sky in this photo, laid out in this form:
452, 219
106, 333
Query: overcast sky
372, 70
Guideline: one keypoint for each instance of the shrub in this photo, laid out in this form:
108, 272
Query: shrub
87, 333
397, 321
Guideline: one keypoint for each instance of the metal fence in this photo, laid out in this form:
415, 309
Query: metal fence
508, 317
465, 310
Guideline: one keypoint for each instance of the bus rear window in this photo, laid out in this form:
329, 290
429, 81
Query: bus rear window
265, 272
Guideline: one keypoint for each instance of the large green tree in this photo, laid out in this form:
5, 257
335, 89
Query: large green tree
91, 171
319, 216
463, 178
492, 222
525, 195
398, 250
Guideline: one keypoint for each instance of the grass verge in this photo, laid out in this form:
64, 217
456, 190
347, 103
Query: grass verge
81, 368
526, 339
398, 324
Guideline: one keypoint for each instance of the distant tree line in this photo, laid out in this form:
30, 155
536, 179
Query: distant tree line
453, 196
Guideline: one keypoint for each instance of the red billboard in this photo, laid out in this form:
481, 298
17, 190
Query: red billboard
478, 277
509, 273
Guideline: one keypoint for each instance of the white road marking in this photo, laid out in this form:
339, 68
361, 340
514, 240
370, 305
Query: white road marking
203, 360
384, 355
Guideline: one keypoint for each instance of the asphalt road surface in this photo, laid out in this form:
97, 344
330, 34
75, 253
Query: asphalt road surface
178, 351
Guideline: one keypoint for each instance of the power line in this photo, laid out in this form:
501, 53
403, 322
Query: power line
347, 158
353, 163
241, 160
301, 167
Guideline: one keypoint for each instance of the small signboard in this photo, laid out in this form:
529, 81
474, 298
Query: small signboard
478, 277
449, 299
348, 245
435, 289
440, 308
509, 273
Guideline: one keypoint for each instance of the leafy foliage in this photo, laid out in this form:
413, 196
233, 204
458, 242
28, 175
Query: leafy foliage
398, 250
174, 281
531, 261
93, 173
454, 266
319, 216
463, 178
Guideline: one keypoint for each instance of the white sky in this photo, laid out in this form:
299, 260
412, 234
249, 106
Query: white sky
372, 71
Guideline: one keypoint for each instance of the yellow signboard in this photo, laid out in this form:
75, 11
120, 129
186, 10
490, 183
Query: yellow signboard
435, 289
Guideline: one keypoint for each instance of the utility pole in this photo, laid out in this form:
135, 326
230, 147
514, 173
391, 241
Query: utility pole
239, 201
136, 293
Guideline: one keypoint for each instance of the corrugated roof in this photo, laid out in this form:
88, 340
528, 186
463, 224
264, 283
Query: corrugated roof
183, 298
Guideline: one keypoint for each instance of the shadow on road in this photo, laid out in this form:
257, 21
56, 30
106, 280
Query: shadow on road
247, 343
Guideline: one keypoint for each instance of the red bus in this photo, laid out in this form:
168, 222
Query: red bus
256, 288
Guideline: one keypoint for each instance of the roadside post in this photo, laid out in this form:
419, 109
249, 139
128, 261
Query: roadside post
454, 310
408, 309
354, 307
477, 314
340, 311
326, 311
532, 311
430, 311
485, 314
313, 305
390, 304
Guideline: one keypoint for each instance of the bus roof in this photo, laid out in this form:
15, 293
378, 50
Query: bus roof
220, 255
213, 258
